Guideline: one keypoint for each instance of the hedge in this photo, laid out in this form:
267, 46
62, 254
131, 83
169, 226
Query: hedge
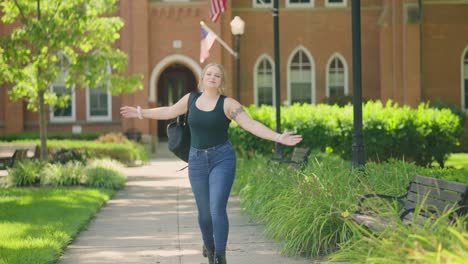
421, 134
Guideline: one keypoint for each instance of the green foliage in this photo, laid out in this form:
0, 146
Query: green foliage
98, 173
70, 42
64, 155
421, 135
35, 135
68, 174
431, 243
340, 100
309, 210
125, 151
440, 104
105, 174
24, 173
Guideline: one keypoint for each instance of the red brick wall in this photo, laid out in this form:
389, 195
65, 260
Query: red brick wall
445, 39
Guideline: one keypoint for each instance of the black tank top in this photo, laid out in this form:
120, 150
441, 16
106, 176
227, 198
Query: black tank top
208, 128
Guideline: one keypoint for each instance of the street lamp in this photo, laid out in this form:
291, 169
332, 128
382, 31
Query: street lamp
358, 150
237, 29
278, 150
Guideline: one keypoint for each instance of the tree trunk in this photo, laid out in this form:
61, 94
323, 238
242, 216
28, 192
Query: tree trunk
43, 125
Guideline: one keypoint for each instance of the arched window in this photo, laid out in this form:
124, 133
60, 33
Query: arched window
59, 87
300, 78
264, 81
465, 81
337, 79
99, 100
300, 3
262, 3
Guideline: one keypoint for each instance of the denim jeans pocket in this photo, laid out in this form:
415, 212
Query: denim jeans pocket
225, 150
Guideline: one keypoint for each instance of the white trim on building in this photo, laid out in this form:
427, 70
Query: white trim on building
168, 60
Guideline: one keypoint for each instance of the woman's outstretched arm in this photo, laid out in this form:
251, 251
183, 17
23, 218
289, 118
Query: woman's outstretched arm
160, 113
235, 111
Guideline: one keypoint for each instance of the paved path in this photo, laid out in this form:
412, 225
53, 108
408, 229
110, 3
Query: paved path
153, 220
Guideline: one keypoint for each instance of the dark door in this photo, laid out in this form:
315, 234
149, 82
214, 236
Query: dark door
175, 81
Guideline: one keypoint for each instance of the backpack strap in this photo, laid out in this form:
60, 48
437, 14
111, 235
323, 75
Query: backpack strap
193, 95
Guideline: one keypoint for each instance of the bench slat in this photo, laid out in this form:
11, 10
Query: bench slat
435, 193
442, 184
420, 219
300, 154
416, 200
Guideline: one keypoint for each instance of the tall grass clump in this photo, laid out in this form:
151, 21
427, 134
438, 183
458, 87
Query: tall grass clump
308, 210
438, 242
25, 172
68, 174
301, 208
104, 174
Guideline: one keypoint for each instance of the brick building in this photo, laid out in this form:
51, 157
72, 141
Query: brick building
405, 57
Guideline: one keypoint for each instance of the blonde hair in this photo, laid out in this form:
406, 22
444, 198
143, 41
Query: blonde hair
222, 85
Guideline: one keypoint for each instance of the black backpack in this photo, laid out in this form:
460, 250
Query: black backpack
178, 132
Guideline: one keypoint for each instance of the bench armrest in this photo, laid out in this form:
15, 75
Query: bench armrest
377, 195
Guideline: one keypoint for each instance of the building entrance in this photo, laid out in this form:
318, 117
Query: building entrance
175, 81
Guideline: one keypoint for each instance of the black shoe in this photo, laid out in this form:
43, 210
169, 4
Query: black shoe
209, 254
220, 259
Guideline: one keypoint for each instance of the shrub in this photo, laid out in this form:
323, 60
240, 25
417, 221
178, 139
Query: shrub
64, 155
24, 172
421, 135
104, 174
340, 100
113, 137
58, 136
68, 174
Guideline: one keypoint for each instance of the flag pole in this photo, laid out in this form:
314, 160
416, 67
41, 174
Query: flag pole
219, 39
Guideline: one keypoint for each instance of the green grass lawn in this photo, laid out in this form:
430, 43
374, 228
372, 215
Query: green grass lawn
458, 161
36, 224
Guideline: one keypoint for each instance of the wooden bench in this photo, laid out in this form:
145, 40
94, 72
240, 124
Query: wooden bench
298, 160
9, 153
425, 198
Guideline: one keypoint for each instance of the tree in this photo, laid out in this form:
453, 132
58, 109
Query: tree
31, 55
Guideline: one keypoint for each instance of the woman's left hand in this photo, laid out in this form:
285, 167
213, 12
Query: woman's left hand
289, 139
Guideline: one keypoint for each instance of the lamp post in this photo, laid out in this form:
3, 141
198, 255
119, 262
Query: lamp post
278, 151
358, 141
237, 29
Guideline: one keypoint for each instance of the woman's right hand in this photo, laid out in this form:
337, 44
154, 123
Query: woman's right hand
129, 112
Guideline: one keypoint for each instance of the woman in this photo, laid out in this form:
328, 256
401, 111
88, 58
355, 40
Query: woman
212, 161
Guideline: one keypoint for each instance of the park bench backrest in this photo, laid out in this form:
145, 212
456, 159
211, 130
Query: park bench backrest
20, 154
300, 156
10, 148
434, 196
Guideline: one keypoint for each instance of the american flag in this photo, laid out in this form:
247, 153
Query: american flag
217, 6
208, 38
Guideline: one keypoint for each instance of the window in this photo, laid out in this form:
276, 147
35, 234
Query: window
59, 87
465, 81
299, 3
263, 3
335, 3
264, 81
337, 79
300, 78
99, 101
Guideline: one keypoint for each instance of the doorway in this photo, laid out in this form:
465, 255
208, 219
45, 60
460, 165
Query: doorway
174, 82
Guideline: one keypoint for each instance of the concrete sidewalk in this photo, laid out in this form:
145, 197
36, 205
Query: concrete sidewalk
154, 220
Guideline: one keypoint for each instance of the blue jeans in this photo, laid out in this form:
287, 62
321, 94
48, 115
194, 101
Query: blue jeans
211, 174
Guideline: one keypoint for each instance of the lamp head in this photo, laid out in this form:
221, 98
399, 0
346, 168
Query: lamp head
237, 26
